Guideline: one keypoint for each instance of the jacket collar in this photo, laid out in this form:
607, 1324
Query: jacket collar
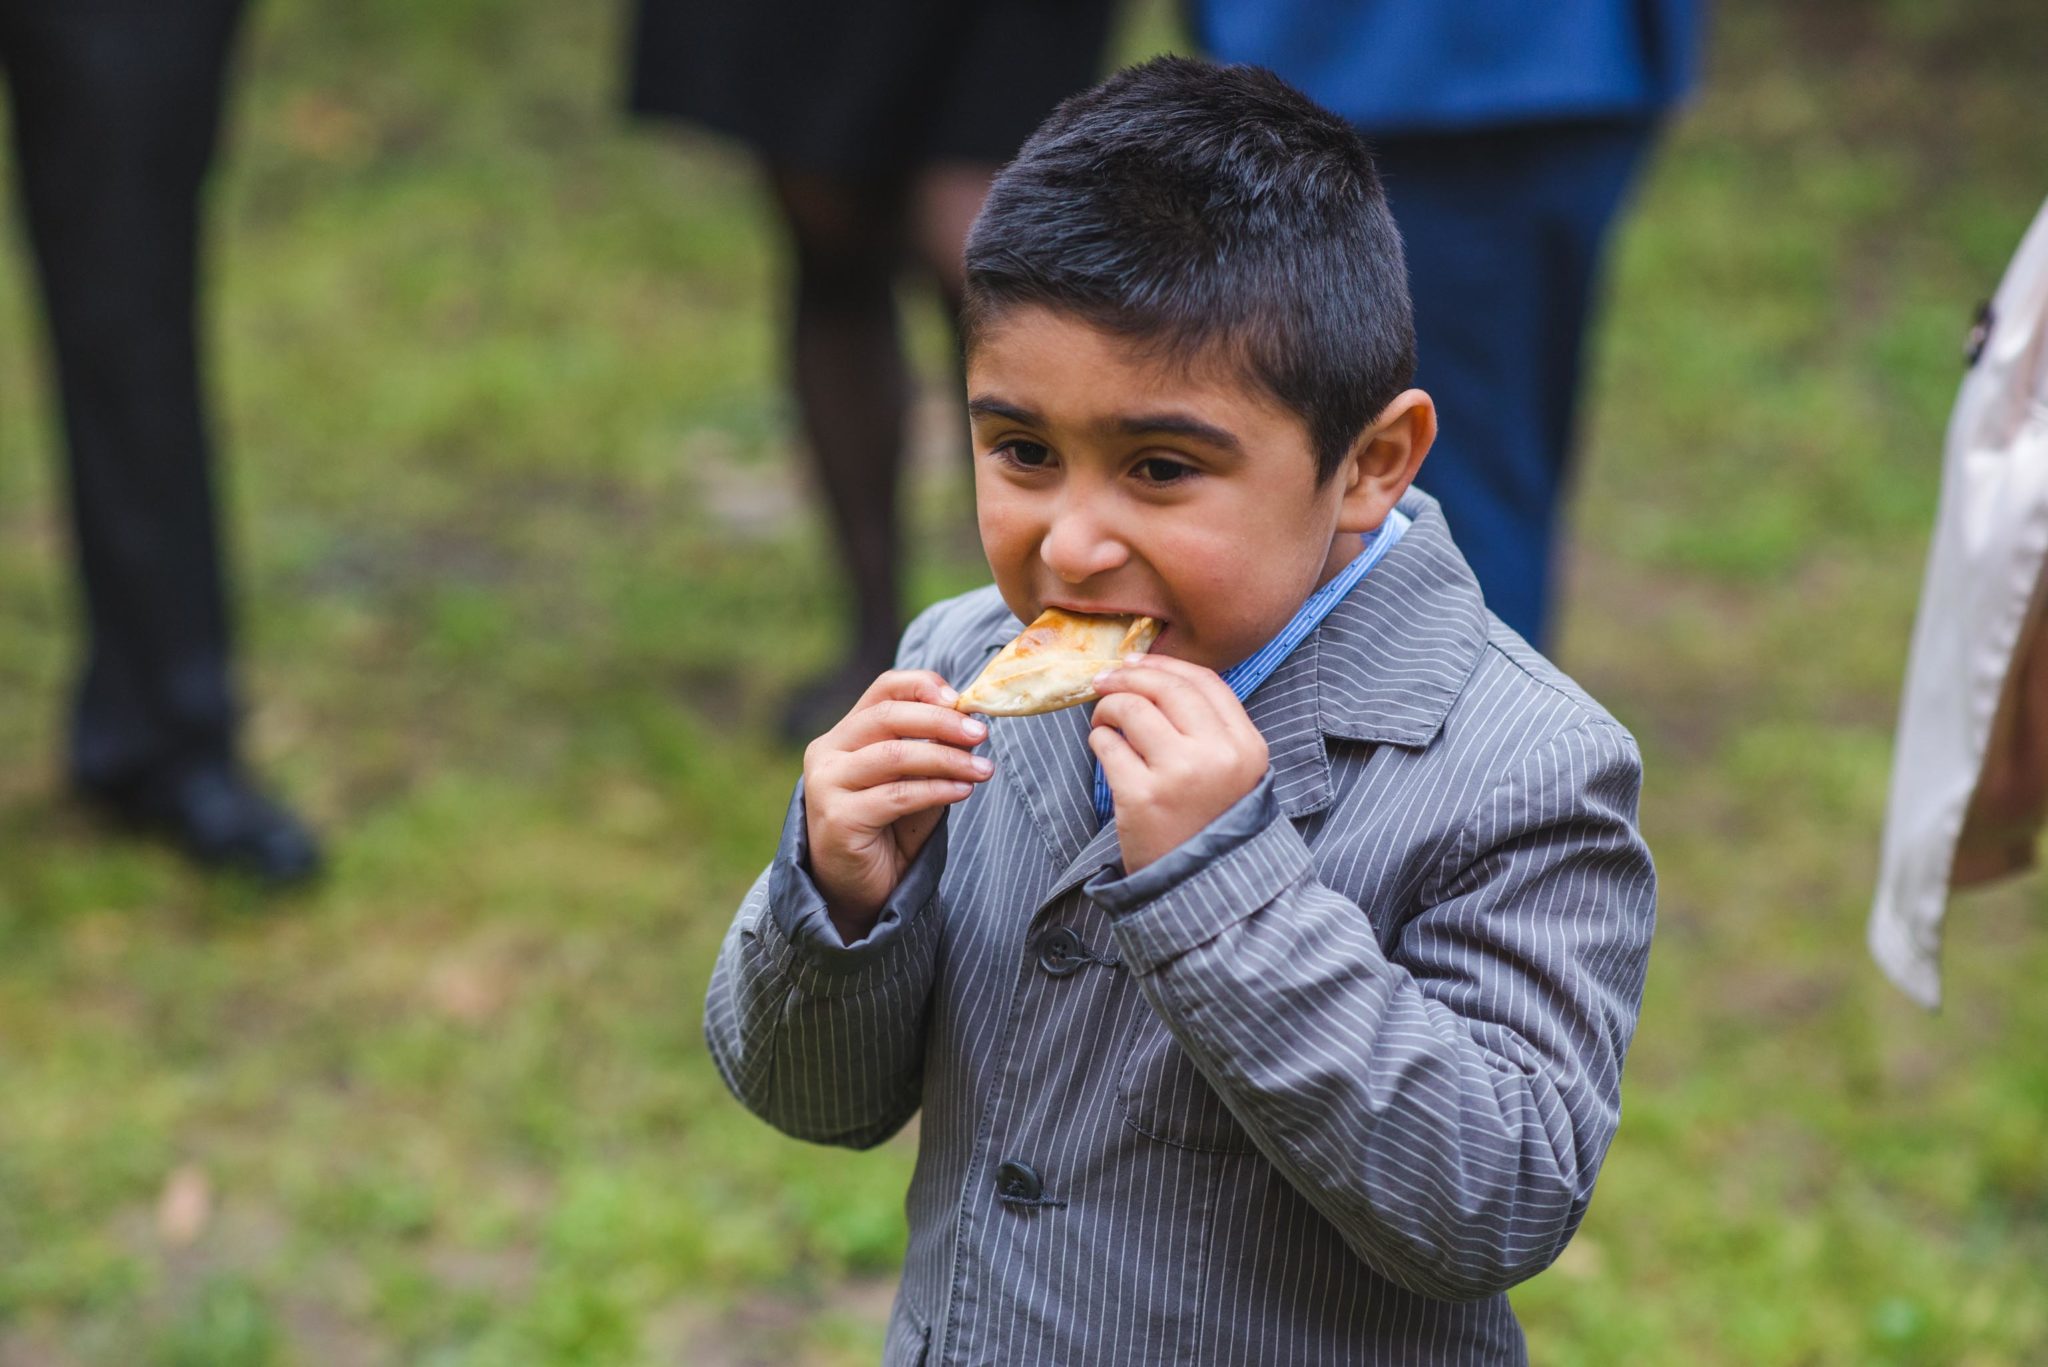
1383, 669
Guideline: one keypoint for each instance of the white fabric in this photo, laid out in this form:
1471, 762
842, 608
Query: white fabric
1991, 536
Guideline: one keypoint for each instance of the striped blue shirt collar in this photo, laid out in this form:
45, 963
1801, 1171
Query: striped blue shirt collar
1247, 674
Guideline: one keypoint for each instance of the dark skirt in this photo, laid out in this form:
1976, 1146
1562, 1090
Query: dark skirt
866, 88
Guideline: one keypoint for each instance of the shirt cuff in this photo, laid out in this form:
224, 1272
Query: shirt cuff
1229, 869
811, 946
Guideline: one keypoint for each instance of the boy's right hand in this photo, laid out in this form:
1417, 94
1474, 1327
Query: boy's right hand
874, 790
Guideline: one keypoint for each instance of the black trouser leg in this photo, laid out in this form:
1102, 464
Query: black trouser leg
116, 115
852, 384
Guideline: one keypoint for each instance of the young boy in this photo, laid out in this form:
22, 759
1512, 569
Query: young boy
1311, 1047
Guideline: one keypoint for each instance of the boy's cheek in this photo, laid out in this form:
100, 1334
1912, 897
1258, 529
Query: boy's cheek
1004, 540
1012, 572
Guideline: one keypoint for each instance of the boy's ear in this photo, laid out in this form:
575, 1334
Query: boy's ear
1383, 461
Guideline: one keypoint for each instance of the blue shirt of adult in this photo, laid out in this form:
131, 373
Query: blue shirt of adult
1411, 66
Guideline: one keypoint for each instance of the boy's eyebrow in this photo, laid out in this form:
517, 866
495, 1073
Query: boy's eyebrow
1180, 425
987, 406
1133, 425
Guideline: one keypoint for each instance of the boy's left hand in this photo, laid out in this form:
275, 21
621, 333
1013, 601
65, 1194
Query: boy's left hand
1178, 749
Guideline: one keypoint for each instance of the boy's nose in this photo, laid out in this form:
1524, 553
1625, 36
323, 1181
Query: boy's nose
1077, 547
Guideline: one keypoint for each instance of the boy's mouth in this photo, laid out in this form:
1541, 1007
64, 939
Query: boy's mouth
1104, 609
1100, 609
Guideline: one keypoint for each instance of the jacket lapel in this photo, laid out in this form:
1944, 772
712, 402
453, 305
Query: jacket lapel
1384, 667
1397, 652
1048, 760
1287, 710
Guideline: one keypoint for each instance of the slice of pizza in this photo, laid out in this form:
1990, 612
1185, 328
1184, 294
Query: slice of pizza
1054, 662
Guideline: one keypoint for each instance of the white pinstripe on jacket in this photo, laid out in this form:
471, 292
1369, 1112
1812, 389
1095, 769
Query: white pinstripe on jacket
1317, 1087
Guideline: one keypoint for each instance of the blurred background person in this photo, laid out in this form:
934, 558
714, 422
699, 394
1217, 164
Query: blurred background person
1969, 787
878, 126
116, 108
1507, 135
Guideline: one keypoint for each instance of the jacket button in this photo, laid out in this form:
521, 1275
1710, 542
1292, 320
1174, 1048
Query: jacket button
1018, 1182
1060, 951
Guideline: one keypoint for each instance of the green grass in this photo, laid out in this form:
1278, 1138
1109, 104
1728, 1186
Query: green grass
514, 489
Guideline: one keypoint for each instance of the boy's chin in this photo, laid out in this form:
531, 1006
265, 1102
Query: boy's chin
1168, 643
1176, 646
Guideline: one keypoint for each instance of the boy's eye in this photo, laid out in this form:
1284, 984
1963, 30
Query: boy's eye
1028, 454
1159, 470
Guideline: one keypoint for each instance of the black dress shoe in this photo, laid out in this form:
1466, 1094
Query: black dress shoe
218, 819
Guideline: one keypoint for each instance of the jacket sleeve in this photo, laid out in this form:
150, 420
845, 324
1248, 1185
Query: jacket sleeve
822, 1039
1445, 1104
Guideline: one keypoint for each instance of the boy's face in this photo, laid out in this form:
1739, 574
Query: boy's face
1108, 482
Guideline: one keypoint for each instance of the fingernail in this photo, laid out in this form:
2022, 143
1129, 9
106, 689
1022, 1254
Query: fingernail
982, 766
947, 695
1134, 659
1097, 680
962, 789
974, 730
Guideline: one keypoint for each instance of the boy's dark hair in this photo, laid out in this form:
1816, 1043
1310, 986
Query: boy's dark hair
1203, 210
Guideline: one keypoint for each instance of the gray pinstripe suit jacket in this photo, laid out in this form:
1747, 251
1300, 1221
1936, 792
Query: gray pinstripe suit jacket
1317, 1087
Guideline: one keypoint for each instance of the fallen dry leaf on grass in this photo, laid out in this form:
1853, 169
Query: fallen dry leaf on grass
185, 1206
